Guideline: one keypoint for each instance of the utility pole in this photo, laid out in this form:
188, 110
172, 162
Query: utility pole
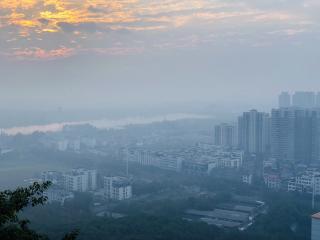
127, 170
126, 156
313, 189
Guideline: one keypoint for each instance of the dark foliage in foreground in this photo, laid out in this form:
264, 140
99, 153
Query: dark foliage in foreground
12, 203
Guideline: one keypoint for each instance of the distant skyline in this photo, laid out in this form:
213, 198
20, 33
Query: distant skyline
129, 53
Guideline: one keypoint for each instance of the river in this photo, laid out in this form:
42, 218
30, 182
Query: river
101, 124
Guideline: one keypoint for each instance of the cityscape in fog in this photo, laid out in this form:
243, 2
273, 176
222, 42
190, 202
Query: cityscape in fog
159, 120
276, 151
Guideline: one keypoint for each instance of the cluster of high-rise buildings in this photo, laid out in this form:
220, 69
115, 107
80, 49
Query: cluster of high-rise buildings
290, 132
295, 134
299, 99
251, 133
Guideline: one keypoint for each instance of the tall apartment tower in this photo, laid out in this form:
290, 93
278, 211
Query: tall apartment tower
225, 135
295, 134
282, 134
254, 131
318, 100
315, 227
304, 99
80, 180
315, 134
284, 100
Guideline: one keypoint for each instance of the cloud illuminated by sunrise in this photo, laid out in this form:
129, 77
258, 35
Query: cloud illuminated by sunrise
79, 23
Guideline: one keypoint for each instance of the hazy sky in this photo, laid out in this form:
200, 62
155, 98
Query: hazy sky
129, 52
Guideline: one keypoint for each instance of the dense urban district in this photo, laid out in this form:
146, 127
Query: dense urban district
256, 177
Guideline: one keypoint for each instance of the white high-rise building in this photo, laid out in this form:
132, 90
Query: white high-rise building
80, 180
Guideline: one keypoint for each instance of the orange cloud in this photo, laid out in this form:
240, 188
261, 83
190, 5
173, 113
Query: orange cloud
26, 13
38, 53
82, 21
15, 4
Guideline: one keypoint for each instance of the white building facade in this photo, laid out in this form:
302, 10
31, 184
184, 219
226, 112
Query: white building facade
80, 180
117, 188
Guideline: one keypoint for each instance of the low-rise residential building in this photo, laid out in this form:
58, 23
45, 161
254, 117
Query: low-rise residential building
74, 145
168, 162
88, 142
272, 180
306, 182
117, 188
230, 162
58, 195
220, 217
70, 144
199, 159
54, 177
247, 178
140, 156
197, 168
63, 145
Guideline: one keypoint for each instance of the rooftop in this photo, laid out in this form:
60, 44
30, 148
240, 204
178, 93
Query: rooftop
221, 214
316, 216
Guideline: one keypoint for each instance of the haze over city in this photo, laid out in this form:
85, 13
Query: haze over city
159, 120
